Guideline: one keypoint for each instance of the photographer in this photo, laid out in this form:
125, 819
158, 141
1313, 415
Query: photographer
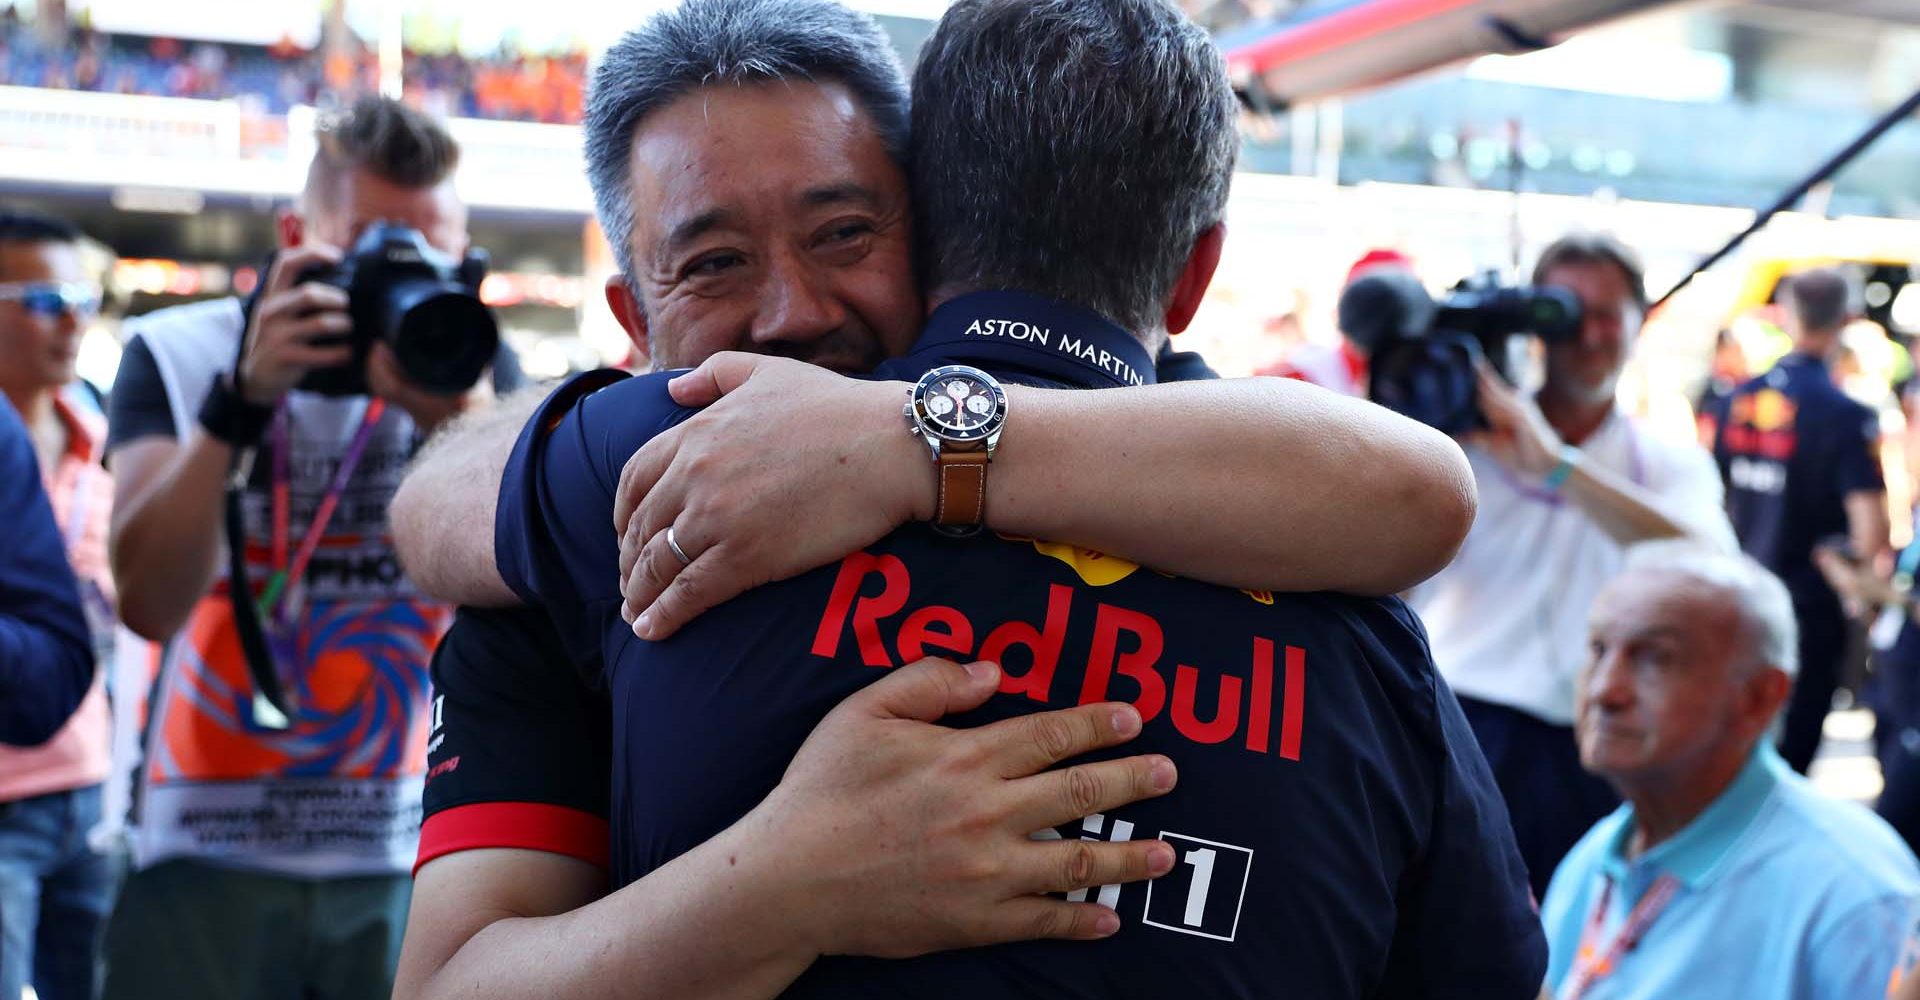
1566, 483
273, 840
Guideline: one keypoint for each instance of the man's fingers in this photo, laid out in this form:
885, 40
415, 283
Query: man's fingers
1492, 386
1066, 865
305, 301
653, 570
1071, 793
1496, 400
637, 479
300, 332
1040, 918
1483, 378
926, 690
318, 357
716, 376
1032, 743
289, 265
694, 588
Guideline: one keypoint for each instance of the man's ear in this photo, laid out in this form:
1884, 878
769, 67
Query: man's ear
633, 319
291, 229
1191, 289
1762, 698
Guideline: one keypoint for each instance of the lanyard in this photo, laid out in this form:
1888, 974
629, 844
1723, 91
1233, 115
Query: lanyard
1590, 965
277, 589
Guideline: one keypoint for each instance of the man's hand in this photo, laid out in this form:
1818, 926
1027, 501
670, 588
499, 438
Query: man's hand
924, 833
789, 468
1863, 589
286, 321
888, 836
1517, 435
429, 410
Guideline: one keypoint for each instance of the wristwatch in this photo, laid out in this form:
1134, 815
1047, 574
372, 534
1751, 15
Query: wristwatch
958, 411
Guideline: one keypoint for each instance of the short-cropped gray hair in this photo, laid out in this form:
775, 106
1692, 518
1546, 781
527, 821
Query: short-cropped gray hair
1766, 611
714, 43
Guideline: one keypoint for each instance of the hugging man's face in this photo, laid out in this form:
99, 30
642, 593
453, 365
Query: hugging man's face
769, 218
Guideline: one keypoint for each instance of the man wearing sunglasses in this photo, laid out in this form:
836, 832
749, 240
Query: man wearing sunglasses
53, 300
55, 890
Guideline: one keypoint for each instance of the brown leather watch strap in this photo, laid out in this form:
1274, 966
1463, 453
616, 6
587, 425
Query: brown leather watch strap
961, 497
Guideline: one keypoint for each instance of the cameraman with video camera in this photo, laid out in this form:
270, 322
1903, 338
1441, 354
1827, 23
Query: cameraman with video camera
255, 446
1566, 483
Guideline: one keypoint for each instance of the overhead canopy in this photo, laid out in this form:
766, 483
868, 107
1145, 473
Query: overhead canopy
1324, 50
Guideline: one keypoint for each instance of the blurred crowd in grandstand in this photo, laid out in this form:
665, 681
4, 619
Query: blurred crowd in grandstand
508, 85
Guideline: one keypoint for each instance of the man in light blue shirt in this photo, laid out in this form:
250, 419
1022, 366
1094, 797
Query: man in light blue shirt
1725, 874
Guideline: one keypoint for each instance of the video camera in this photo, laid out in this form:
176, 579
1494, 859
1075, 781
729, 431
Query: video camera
1422, 352
421, 302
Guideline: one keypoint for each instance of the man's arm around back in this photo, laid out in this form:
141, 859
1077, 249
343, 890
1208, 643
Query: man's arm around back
1271, 484
888, 836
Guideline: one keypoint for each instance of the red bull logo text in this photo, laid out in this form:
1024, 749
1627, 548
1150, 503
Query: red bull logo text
1127, 643
1762, 425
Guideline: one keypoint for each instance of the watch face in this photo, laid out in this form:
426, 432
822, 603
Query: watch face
961, 403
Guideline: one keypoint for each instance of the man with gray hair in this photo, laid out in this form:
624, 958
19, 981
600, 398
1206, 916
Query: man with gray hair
1725, 874
1801, 463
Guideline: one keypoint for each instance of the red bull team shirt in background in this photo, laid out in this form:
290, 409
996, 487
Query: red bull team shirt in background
1791, 446
1336, 832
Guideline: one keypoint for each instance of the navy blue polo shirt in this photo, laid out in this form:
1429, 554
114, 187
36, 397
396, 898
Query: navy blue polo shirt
1337, 833
1791, 446
46, 657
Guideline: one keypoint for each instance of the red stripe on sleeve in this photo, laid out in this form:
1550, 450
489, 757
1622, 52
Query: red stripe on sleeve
533, 826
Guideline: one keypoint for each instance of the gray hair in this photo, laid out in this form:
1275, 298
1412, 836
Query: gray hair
1766, 611
704, 43
1821, 299
1071, 148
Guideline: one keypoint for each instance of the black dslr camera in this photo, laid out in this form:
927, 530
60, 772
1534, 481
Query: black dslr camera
422, 303
1422, 352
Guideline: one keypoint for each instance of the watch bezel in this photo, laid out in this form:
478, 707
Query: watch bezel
927, 425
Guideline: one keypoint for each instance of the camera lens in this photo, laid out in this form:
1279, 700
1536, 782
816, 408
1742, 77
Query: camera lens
445, 338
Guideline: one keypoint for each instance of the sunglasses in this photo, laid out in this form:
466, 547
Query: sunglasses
50, 299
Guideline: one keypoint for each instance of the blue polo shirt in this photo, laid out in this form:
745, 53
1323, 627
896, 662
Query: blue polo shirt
1791, 446
1785, 894
1337, 833
46, 656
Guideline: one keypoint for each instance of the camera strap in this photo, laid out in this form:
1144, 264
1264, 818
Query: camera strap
270, 705
272, 709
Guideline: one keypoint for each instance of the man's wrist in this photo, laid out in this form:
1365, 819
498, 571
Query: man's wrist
913, 479
780, 899
1567, 463
231, 417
